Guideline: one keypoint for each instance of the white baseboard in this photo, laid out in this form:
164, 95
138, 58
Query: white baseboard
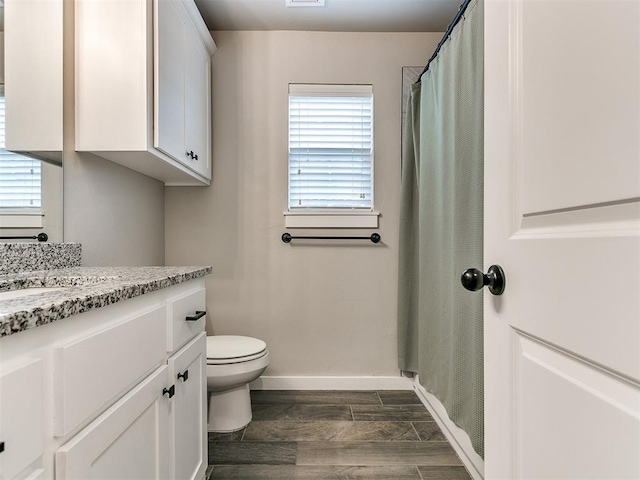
457, 437
332, 383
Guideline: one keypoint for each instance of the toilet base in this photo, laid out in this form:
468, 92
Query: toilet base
229, 410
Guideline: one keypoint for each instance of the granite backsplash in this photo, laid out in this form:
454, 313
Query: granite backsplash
21, 257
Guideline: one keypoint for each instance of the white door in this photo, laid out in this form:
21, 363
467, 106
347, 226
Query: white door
562, 217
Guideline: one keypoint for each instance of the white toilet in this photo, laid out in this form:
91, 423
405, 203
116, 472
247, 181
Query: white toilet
232, 362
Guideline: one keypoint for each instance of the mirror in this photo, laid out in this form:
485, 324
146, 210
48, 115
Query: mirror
31, 198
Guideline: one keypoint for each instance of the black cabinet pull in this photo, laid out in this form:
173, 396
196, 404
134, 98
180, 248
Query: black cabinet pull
184, 376
1, 447
199, 314
171, 391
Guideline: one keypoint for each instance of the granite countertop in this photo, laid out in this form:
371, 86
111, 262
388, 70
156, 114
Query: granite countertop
83, 289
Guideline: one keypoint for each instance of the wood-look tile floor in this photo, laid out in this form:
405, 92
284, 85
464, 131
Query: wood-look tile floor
335, 435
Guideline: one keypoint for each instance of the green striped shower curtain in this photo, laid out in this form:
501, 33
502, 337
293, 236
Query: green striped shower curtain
439, 322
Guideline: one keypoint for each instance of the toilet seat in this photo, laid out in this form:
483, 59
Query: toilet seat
227, 349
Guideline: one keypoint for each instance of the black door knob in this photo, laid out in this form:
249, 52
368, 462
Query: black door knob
473, 279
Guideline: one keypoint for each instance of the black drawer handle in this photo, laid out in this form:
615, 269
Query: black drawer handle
1, 447
199, 314
171, 391
184, 376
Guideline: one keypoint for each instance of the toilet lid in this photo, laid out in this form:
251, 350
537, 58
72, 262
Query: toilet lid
233, 348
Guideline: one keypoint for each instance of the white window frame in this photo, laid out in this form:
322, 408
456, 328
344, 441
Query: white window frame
330, 217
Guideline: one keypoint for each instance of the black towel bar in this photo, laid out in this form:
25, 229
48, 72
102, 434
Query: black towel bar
287, 237
41, 237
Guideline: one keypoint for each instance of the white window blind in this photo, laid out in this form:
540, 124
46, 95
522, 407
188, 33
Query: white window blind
330, 147
20, 176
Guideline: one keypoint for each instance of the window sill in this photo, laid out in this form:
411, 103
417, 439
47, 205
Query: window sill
21, 219
331, 219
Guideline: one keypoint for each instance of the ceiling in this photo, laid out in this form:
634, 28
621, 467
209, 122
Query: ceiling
336, 15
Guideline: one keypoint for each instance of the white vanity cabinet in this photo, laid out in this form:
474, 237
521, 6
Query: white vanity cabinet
118, 392
143, 87
187, 350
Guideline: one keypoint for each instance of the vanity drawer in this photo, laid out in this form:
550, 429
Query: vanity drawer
94, 371
186, 319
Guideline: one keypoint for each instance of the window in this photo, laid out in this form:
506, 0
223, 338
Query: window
20, 183
330, 150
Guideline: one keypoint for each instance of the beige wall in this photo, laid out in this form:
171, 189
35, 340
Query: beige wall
115, 213
52, 201
323, 308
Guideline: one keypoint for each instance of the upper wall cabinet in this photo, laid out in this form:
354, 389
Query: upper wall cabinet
33, 43
143, 87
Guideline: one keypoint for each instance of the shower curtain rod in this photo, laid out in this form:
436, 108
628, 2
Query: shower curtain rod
446, 35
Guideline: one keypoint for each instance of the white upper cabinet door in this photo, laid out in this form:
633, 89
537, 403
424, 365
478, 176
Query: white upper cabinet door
182, 79
198, 104
562, 217
170, 40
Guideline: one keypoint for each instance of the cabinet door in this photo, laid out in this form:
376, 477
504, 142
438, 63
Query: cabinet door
128, 441
21, 417
170, 37
188, 419
198, 104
